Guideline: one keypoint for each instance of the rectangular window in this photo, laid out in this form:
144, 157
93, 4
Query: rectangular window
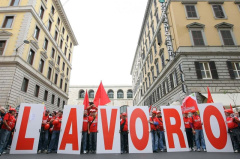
8, 22
218, 11
41, 12
159, 37
61, 82
61, 44
53, 53
45, 95
31, 57
153, 77
56, 35
14, 3
227, 37
58, 103
69, 57
151, 56
65, 51
65, 89
152, 28
58, 60
25, 85
45, 46
49, 25
70, 45
63, 30
53, 99
58, 21
163, 60
191, 11
67, 71
41, 65
56, 79
157, 68
63, 104
166, 85
157, 17
197, 38
63, 66
49, 73
36, 91
67, 38
155, 48
2, 46
205, 70
52, 10
236, 69
36, 33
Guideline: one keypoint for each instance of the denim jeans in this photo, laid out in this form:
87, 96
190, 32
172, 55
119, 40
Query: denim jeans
235, 137
160, 139
4, 136
43, 140
124, 141
84, 140
54, 141
154, 140
199, 137
92, 141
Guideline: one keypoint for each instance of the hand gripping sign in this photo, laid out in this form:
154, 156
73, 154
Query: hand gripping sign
70, 134
215, 128
26, 137
175, 135
108, 137
139, 137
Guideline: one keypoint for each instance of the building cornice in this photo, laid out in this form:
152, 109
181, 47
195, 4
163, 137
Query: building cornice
96, 86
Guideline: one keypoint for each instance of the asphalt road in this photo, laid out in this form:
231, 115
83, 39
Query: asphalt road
163, 155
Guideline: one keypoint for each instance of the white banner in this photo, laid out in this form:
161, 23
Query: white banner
28, 126
108, 137
71, 130
139, 137
215, 128
175, 135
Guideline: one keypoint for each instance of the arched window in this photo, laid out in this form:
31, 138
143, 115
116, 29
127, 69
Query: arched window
120, 94
81, 94
110, 94
129, 93
91, 94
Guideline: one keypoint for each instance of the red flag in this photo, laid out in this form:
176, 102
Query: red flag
86, 101
190, 103
101, 97
209, 100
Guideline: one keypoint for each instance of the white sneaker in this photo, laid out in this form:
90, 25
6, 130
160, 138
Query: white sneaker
193, 149
45, 151
236, 151
190, 149
84, 152
161, 150
39, 151
198, 150
204, 150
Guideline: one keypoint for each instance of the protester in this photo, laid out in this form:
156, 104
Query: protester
160, 132
233, 129
85, 131
124, 133
154, 123
43, 140
9, 122
56, 131
91, 106
188, 129
197, 130
92, 130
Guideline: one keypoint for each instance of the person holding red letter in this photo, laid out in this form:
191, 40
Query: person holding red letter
188, 129
85, 131
43, 139
154, 123
233, 129
92, 130
9, 122
124, 133
56, 131
160, 131
197, 130
91, 106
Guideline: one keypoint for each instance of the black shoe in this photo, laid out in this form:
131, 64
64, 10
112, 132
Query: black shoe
155, 151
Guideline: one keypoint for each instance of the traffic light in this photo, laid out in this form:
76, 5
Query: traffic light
161, 1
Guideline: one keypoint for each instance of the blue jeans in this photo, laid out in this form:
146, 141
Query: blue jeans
92, 141
54, 141
84, 140
199, 136
4, 136
43, 140
160, 139
154, 140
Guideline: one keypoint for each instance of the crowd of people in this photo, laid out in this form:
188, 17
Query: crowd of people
51, 125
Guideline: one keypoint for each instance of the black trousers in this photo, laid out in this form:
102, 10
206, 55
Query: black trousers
124, 141
189, 137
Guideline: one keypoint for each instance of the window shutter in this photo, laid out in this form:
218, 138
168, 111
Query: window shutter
176, 75
159, 37
171, 81
230, 69
213, 70
198, 71
167, 85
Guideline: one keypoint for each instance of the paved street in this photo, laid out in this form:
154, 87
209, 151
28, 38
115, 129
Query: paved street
164, 155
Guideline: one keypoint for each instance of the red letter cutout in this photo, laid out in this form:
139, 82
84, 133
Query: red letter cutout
218, 143
22, 142
70, 138
140, 144
108, 134
173, 113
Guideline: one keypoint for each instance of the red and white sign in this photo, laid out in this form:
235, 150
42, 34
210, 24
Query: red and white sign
108, 137
215, 128
139, 137
175, 135
26, 137
71, 128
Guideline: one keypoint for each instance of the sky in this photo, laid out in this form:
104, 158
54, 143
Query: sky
107, 32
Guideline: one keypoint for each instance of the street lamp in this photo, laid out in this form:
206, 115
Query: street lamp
24, 42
